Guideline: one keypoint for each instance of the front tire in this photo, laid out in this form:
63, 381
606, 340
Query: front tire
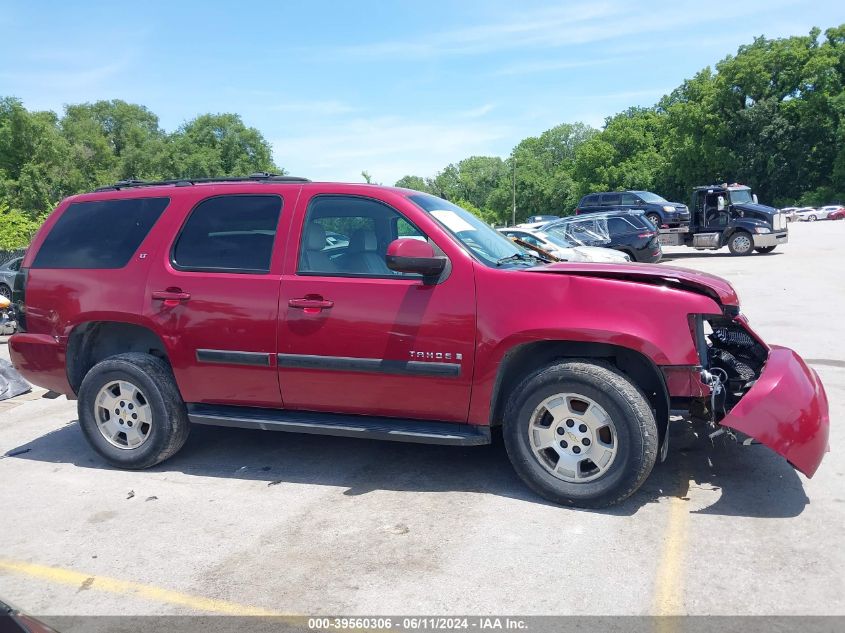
812, 218
765, 249
655, 219
131, 412
5, 291
580, 433
741, 243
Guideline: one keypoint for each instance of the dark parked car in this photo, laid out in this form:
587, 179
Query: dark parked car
626, 231
8, 271
657, 209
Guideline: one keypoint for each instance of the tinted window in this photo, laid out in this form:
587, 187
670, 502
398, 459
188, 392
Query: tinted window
229, 234
15, 265
618, 226
629, 200
370, 226
102, 234
590, 201
611, 198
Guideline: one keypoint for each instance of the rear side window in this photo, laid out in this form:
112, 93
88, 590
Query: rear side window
590, 201
620, 226
611, 198
230, 234
101, 234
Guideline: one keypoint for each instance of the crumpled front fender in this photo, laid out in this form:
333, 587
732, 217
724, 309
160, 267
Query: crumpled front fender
787, 410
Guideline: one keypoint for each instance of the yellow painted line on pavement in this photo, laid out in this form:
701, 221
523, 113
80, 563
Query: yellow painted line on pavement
669, 584
61, 576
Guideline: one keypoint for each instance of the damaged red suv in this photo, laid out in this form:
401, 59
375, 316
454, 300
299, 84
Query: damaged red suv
277, 303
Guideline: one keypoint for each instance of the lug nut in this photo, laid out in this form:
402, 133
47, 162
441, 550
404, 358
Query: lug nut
570, 423
117, 411
560, 431
583, 428
131, 406
576, 449
563, 444
122, 403
586, 441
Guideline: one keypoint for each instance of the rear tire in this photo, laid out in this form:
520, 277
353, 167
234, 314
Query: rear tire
741, 243
5, 291
765, 249
812, 218
605, 408
131, 412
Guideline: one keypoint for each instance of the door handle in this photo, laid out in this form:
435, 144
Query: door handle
311, 305
171, 296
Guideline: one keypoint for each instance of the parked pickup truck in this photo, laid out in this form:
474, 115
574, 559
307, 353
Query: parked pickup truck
162, 305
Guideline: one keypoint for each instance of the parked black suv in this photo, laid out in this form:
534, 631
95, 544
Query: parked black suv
660, 211
627, 231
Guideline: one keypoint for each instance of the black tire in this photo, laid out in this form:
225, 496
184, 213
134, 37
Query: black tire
765, 249
5, 291
628, 408
154, 378
812, 218
741, 243
655, 219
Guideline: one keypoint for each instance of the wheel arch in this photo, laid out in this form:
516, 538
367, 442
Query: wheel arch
523, 358
92, 341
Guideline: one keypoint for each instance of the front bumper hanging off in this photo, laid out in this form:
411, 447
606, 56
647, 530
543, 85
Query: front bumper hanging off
786, 409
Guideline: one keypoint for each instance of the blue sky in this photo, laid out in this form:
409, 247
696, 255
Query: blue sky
390, 87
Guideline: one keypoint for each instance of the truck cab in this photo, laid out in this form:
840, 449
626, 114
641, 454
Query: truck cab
729, 215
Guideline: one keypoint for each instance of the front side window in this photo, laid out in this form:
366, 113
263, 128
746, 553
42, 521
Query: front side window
232, 233
629, 200
99, 235
349, 235
741, 196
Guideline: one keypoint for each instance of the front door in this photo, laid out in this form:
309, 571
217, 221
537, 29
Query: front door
355, 337
214, 296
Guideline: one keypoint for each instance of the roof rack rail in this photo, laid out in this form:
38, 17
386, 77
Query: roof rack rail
261, 176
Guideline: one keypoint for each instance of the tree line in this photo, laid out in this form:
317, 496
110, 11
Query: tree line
45, 157
772, 116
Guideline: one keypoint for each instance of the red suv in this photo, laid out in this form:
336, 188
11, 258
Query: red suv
277, 303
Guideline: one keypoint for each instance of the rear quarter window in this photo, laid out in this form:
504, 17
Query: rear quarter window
99, 234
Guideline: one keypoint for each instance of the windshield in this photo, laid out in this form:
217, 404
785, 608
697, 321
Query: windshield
556, 238
741, 196
647, 196
488, 245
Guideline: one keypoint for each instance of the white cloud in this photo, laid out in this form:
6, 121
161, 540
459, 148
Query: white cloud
388, 147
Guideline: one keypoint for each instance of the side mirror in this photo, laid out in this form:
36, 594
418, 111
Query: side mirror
407, 255
754, 197
720, 203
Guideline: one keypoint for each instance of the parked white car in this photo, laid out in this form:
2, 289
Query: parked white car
809, 214
828, 209
563, 250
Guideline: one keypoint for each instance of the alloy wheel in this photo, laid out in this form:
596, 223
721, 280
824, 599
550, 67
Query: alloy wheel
573, 437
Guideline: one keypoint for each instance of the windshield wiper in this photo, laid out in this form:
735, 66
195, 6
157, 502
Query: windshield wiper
517, 257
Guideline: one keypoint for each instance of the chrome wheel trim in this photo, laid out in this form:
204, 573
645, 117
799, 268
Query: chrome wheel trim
573, 438
743, 243
123, 414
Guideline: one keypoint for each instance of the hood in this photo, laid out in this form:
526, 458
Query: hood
691, 280
755, 207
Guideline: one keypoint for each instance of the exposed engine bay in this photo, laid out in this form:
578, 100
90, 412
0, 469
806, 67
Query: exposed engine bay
732, 361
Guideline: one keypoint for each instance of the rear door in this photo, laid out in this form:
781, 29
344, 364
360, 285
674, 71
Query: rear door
611, 201
355, 337
213, 293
